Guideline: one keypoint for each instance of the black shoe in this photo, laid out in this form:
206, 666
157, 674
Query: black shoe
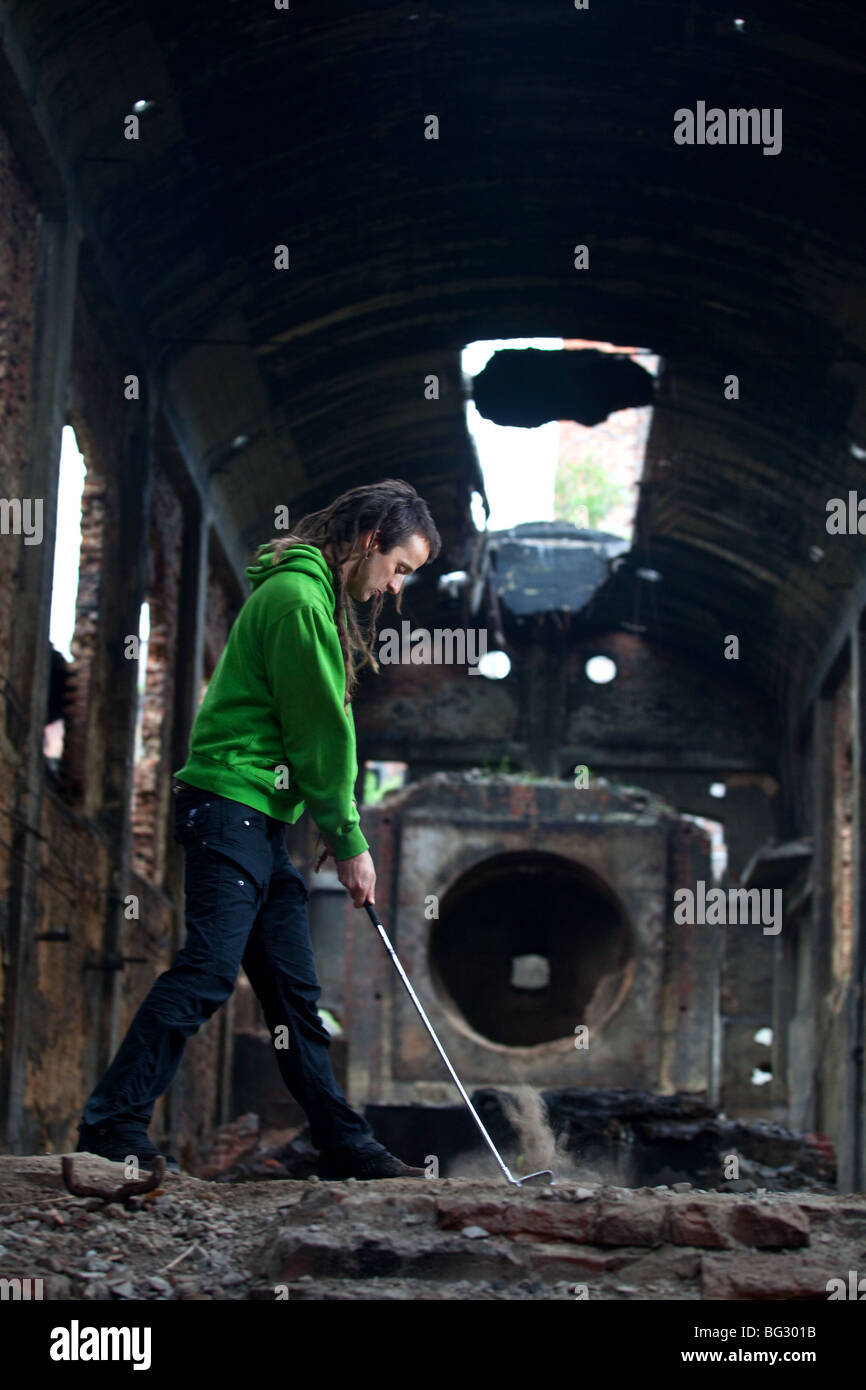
365, 1165
120, 1142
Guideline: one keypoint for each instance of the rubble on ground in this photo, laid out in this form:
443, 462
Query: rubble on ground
403, 1239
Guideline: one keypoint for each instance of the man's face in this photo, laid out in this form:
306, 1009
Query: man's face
385, 573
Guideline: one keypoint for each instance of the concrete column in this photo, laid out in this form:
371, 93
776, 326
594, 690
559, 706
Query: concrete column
783, 1005
747, 1005
125, 568
54, 291
189, 659
545, 710
852, 1141
819, 944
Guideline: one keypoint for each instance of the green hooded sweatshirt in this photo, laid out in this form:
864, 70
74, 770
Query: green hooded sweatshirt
272, 730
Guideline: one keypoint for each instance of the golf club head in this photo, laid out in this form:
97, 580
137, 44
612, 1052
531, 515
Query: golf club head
542, 1179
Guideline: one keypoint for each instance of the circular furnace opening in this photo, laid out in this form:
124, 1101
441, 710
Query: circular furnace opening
528, 946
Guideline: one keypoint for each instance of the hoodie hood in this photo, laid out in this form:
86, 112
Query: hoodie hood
300, 559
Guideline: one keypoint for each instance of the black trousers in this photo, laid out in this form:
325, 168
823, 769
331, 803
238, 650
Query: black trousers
246, 904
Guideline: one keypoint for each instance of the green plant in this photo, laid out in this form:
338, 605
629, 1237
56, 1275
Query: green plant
584, 483
373, 793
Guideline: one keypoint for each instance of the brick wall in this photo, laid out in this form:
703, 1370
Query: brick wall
17, 267
152, 774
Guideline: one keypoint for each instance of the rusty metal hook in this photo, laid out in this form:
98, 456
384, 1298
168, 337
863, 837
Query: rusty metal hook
113, 1194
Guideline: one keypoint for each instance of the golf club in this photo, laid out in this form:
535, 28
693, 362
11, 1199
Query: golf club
546, 1175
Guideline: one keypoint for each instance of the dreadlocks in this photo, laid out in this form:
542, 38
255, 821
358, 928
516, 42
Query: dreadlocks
392, 511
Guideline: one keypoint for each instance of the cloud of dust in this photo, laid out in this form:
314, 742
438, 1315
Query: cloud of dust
537, 1148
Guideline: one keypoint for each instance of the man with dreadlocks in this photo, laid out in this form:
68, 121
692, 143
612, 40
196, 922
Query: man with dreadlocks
274, 735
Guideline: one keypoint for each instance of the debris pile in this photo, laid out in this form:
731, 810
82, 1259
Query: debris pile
403, 1239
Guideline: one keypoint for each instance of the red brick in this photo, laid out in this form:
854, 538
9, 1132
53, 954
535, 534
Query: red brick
637, 1222
769, 1227
698, 1223
749, 1275
232, 1141
539, 1220
453, 1213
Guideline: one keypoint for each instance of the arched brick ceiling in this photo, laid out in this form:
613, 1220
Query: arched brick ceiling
306, 127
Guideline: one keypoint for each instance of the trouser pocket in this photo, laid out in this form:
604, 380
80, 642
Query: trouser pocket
206, 824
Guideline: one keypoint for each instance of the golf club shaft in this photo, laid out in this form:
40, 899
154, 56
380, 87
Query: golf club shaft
371, 911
